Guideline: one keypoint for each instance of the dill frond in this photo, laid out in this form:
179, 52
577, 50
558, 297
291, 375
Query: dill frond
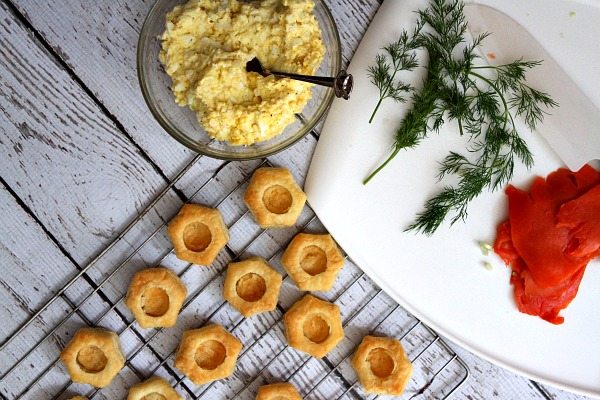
484, 105
397, 56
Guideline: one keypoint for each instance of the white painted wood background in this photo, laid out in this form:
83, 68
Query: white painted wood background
81, 156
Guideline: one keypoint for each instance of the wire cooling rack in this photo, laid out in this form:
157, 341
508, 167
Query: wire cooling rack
94, 297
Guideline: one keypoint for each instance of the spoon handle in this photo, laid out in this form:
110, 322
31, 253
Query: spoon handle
342, 83
318, 80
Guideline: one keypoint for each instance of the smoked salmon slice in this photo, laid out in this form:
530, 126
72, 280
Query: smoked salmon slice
551, 234
582, 218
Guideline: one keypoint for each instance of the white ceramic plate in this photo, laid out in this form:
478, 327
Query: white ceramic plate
441, 279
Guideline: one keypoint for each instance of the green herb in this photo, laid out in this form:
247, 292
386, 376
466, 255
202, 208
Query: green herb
482, 99
398, 56
485, 248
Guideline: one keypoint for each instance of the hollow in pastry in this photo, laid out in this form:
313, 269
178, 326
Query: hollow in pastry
313, 326
382, 366
155, 297
313, 261
274, 198
252, 286
154, 388
207, 354
93, 356
198, 233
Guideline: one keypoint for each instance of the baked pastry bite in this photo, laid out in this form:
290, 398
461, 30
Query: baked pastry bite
207, 354
198, 233
78, 398
274, 198
278, 391
93, 356
252, 286
382, 366
313, 261
154, 388
155, 297
313, 326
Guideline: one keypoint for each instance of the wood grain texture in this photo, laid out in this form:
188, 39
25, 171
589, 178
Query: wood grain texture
210, 300
103, 56
32, 266
352, 19
98, 41
60, 154
71, 172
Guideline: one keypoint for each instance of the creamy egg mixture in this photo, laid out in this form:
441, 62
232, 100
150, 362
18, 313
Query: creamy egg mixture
205, 48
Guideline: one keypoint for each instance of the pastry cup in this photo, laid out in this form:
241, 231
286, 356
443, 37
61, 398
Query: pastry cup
93, 356
313, 326
277, 391
153, 388
155, 297
198, 233
207, 354
274, 198
251, 286
313, 261
382, 366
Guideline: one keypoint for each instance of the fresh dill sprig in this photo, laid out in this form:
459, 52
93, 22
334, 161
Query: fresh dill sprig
484, 100
398, 56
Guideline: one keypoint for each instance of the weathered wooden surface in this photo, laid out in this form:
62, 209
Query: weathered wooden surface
80, 157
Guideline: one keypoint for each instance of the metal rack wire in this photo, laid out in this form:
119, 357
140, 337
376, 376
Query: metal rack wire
266, 355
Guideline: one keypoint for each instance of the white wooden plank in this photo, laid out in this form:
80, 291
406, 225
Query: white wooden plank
62, 156
342, 17
352, 19
196, 277
98, 41
103, 55
32, 268
60, 152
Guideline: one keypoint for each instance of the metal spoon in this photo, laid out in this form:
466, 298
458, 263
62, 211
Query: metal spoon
342, 83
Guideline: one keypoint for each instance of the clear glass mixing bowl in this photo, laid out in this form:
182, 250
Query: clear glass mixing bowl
181, 123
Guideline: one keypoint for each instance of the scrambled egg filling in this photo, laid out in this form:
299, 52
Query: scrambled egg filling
205, 48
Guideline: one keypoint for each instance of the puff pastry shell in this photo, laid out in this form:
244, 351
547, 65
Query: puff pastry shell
274, 198
155, 297
313, 261
382, 366
277, 391
198, 233
313, 326
153, 388
252, 286
207, 354
93, 356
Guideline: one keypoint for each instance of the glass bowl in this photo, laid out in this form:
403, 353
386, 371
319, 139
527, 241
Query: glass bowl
181, 123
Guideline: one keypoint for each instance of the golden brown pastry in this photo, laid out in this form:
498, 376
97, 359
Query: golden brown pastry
155, 297
93, 356
154, 388
198, 233
382, 366
313, 326
278, 391
313, 261
207, 354
252, 286
78, 398
274, 198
